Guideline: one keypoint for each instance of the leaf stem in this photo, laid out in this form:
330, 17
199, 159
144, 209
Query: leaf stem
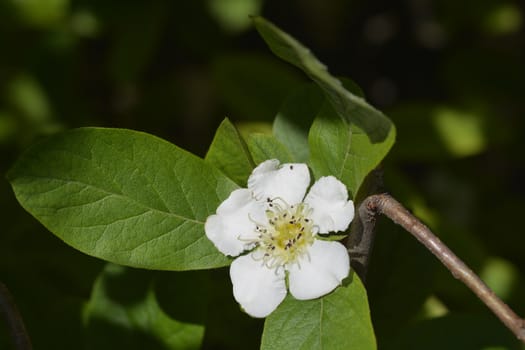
14, 321
388, 206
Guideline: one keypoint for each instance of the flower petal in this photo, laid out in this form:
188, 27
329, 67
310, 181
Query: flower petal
257, 288
320, 273
288, 181
232, 228
332, 211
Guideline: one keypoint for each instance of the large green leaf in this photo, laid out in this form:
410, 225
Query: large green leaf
229, 153
341, 149
349, 106
123, 196
340, 320
123, 312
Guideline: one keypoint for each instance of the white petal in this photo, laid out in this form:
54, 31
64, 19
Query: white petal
231, 228
257, 288
332, 211
318, 275
288, 181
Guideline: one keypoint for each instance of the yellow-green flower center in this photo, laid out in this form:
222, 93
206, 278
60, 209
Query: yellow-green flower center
287, 235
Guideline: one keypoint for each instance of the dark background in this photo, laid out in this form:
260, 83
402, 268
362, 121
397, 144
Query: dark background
449, 73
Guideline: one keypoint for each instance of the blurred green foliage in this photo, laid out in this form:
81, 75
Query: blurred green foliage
448, 73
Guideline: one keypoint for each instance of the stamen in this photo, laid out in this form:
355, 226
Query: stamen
287, 235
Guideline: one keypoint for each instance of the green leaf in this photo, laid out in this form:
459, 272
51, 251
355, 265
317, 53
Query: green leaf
349, 106
229, 153
341, 149
263, 147
339, 320
293, 120
123, 196
123, 312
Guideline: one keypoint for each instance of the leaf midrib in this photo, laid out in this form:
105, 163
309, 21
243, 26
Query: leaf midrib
133, 200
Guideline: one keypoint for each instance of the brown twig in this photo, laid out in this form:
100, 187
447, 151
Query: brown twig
388, 206
14, 321
361, 241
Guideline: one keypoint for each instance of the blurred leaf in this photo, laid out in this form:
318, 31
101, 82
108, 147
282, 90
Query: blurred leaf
501, 276
252, 86
433, 307
41, 13
263, 147
504, 19
350, 107
227, 327
233, 15
184, 295
123, 196
229, 153
123, 313
85, 23
461, 133
456, 332
8, 127
440, 131
27, 97
339, 320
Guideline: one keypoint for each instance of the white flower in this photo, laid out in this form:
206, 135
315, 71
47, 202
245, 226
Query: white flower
274, 220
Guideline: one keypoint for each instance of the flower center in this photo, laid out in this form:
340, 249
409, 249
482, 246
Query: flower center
288, 234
